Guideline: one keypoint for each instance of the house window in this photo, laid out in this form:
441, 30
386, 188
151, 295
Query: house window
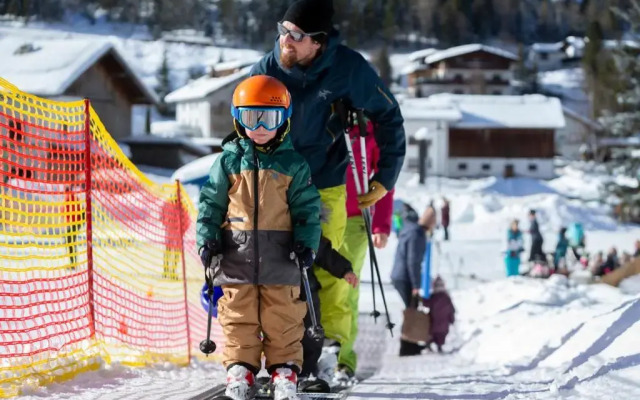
486, 167
544, 56
462, 167
533, 167
496, 92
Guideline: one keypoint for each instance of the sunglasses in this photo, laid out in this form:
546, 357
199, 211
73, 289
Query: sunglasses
296, 35
270, 118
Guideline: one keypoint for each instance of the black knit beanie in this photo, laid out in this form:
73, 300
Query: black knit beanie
311, 15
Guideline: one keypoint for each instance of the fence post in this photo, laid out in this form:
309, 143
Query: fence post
87, 165
184, 269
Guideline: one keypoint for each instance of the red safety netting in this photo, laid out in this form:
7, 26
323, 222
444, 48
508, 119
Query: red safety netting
97, 263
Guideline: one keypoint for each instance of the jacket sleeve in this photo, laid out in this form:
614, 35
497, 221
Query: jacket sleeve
368, 92
213, 203
260, 68
304, 205
415, 254
382, 216
329, 259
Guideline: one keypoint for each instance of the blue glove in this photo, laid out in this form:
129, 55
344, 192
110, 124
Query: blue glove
208, 251
305, 255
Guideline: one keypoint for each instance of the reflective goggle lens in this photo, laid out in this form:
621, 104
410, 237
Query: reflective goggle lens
251, 118
296, 36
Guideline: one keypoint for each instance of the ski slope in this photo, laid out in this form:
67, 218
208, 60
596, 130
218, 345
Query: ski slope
514, 338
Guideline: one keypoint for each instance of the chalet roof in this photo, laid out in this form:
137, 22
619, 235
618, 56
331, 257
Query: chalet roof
48, 67
488, 111
234, 64
466, 49
421, 54
580, 118
204, 86
547, 47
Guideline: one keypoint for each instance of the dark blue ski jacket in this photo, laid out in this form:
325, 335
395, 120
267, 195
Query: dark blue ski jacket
339, 73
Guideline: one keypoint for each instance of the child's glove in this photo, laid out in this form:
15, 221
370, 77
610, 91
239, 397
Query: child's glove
209, 250
305, 255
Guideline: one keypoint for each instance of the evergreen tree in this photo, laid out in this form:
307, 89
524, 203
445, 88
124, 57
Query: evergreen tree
384, 65
625, 121
164, 82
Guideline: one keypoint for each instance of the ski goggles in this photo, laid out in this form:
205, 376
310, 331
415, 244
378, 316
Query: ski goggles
296, 35
270, 118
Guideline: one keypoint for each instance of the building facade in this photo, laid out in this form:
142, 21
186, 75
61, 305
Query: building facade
481, 135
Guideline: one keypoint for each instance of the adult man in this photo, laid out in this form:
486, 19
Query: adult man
318, 71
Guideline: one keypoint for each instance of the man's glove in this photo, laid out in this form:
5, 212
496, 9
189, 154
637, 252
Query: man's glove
305, 255
209, 250
376, 192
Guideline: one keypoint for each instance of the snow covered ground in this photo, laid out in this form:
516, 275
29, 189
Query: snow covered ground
514, 338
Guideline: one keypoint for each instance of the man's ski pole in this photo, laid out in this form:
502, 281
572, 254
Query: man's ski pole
344, 117
367, 215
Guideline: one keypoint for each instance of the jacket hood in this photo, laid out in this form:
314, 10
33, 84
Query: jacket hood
318, 65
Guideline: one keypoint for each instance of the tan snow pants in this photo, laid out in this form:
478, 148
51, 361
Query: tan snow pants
275, 310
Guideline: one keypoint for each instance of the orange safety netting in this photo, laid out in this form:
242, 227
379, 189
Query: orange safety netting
97, 262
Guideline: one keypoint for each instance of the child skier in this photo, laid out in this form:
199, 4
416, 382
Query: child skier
258, 212
442, 313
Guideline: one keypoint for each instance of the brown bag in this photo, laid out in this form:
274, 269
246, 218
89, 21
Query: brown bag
416, 323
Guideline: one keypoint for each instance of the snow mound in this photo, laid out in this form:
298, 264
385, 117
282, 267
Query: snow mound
517, 187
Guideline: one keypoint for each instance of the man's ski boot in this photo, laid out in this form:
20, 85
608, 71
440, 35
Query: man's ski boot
240, 383
344, 377
328, 361
284, 382
313, 384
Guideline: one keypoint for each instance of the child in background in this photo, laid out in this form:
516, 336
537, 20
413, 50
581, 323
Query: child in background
442, 313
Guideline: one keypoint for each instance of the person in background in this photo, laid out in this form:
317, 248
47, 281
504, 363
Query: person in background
514, 248
444, 215
442, 313
428, 219
536, 253
610, 264
636, 253
561, 249
412, 243
575, 234
596, 262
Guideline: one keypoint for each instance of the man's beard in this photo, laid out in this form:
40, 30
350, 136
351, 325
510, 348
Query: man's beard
289, 59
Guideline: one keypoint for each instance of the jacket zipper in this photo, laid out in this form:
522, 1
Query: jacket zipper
255, 217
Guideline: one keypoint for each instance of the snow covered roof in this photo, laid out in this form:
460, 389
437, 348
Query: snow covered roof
466, 49
547, 47
204, 86
235, 64
47, 67
421, 54
580, 118
426, 109
488, 111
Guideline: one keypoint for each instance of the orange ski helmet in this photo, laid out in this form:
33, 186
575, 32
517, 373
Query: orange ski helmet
261, 91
